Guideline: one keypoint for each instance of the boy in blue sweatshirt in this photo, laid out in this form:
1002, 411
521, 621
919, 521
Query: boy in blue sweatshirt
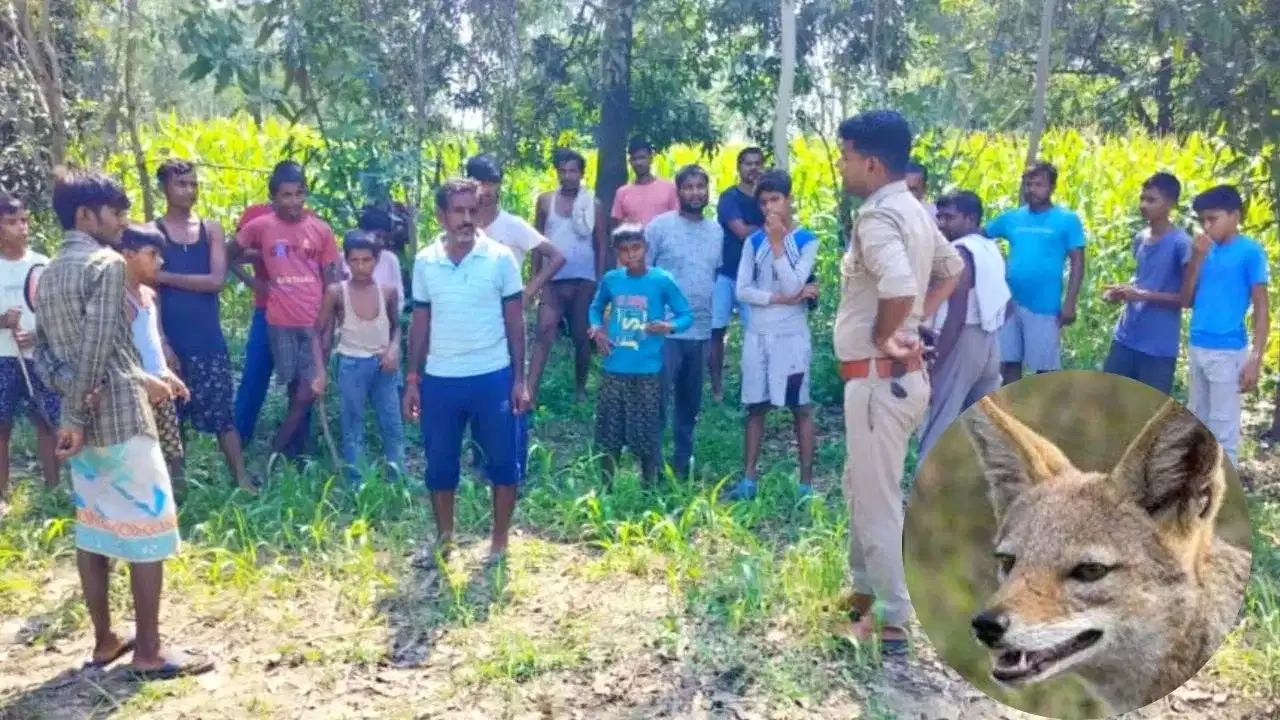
646, 306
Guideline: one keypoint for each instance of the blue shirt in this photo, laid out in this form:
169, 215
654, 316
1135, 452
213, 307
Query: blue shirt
1153, 328
468, 335
736, 205
1224, 292
638, 301
1039, 243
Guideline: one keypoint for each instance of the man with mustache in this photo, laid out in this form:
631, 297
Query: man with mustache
689, 246
468, 327
740, 217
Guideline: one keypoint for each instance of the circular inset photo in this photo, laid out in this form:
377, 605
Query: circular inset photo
1077, 545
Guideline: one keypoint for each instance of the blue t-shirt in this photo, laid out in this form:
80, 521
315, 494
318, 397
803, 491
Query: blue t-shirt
736, 205
1039, 243
1153, 328
636, 302
1224, 292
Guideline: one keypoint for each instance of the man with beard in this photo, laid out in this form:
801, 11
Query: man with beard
648, 195
689, 246
468, 326
1042, 238
740, 217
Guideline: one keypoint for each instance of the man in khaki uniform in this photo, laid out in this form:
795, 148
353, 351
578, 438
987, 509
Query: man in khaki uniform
897, 271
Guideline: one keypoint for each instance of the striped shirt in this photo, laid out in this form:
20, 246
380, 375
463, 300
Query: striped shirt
468, 335
83, 343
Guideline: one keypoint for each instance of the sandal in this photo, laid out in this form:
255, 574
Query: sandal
125, 648
171, 670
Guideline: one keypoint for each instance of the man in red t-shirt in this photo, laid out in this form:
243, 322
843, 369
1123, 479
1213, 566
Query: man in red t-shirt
297, 256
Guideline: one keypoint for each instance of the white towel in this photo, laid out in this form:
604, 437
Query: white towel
990, 290
584, 213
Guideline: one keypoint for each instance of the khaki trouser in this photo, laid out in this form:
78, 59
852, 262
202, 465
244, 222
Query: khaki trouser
878, 427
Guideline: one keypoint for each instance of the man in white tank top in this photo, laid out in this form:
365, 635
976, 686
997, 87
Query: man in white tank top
365, 316
19, 385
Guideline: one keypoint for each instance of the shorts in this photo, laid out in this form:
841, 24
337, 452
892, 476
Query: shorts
169, 432
482, 402
724, 300
629, 414
13, 393
208, 377
1032, 340
291, 353
775, 369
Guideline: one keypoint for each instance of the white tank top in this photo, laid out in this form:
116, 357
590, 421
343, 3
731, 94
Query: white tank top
359, 337
146, 336
15, 281
579, 252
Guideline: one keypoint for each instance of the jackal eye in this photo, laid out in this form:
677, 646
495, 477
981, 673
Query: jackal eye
1006, 563
1089, 572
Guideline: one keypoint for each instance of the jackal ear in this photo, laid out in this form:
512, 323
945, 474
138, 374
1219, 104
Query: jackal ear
1173, 469
1013, 455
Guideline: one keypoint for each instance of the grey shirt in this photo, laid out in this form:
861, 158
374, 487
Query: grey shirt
691, 251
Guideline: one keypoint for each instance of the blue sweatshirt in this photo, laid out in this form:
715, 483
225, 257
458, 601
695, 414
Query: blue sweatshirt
637, 301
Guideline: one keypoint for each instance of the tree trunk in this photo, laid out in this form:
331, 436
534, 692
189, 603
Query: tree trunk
615, 104
1042, 79
46, 71
786, 85
131, 108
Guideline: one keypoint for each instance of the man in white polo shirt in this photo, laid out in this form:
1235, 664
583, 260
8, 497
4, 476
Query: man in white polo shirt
468, 325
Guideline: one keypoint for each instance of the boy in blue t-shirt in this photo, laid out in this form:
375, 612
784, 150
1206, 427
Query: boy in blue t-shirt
629, 399
1146, 340
1227, 273
1042, 238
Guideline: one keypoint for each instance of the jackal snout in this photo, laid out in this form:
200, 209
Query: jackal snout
990, 626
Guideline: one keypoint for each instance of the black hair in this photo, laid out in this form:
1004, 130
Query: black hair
882, 134
747, 151
566, 155
454, 186
286, 171
688, 172
484, 168
1043, 168
1166, 184
86, 189
1221, 197
140, 237
629, 232
172, 168
915, 168
965, 202
10, 205
778, 181
638, 143
375, 219
358, 239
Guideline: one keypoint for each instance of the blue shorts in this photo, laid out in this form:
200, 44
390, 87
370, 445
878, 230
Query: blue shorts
483, 403
724, 300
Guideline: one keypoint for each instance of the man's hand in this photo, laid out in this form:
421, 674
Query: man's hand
157, 390
520, 401
659, 327
391, 358
318, 382
177, 388
601, 339
1249, 374
809, 292
1115, 293
1067, 315
92, 399
411, 403
70, 442
775, 230
25, 340
11, 318
900, 346
1202, 243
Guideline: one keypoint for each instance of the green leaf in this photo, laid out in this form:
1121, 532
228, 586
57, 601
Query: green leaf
198, 70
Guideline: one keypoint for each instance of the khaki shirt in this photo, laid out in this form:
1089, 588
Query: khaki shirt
895, 249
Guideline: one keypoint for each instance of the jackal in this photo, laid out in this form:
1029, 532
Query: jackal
1117, 577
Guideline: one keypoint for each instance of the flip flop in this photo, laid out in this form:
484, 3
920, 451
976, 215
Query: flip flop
125, 648
894, 647
189, 667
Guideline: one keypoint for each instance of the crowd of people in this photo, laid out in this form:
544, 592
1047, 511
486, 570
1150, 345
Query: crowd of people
116, 344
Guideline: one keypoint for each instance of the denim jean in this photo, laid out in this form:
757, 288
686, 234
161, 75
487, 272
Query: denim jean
255, 381
361, 380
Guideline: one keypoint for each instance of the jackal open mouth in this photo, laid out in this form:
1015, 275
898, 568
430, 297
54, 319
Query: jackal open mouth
1012, 666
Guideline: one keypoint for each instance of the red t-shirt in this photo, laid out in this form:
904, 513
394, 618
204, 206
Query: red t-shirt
251, 213
642, 203
293, 259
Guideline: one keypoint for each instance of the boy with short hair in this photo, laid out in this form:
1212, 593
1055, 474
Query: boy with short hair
364, 314
142, 248
1227, 273
775, 277
629, 400
1146, 340
19, 384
